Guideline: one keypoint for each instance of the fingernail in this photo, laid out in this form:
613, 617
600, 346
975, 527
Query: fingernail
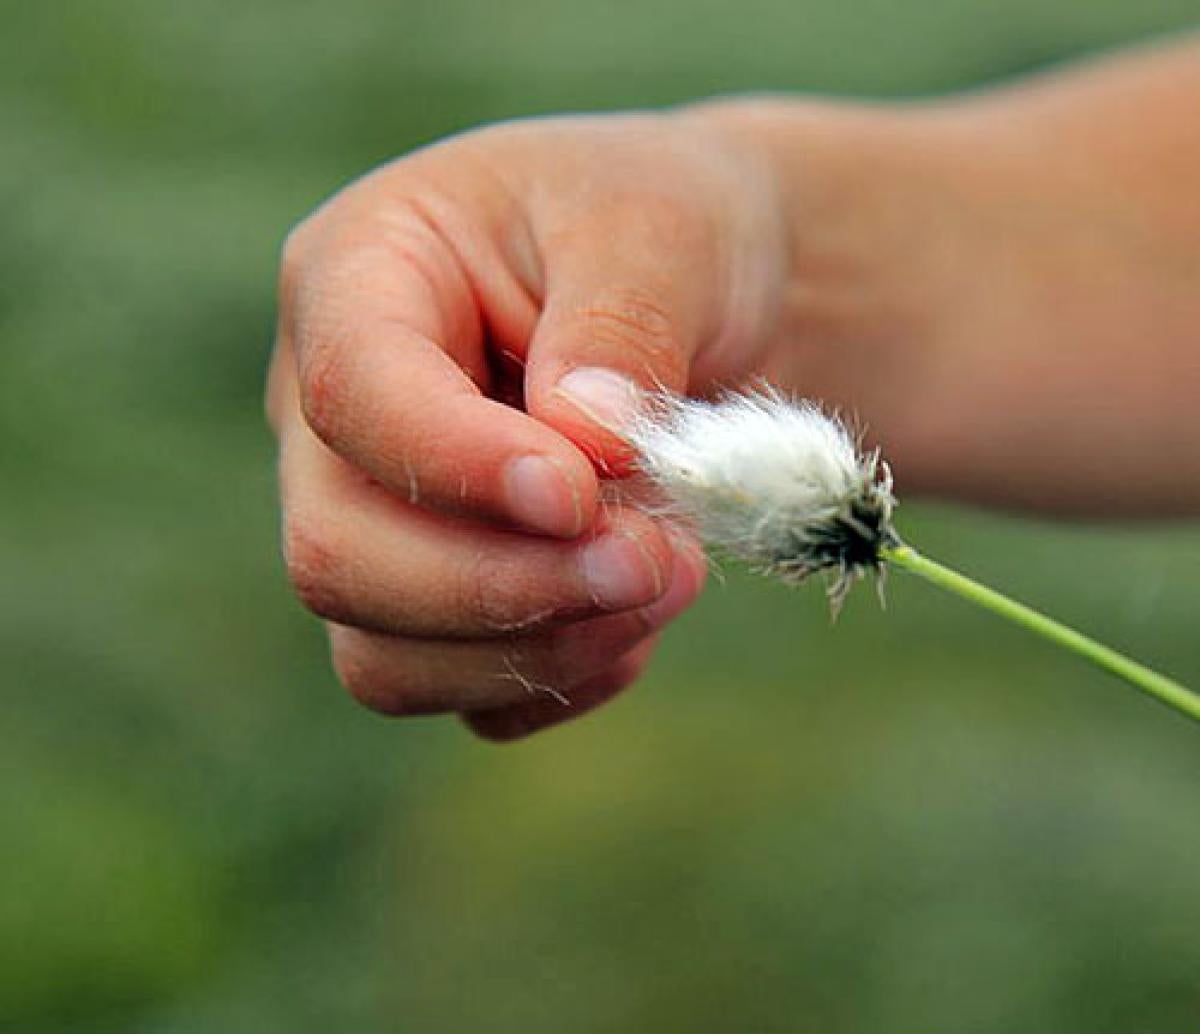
619, 573
604, 396
541, 498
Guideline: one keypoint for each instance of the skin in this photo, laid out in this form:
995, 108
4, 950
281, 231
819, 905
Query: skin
1004, 286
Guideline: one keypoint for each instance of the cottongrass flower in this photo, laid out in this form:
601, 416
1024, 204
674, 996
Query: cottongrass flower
785, 488
776, 484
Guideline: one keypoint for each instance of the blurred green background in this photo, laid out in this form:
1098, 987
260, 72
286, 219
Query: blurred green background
915, 821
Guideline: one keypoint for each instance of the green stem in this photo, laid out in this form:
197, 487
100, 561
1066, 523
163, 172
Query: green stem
1159, 686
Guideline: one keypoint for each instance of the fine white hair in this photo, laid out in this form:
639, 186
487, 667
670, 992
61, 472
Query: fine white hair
771, 481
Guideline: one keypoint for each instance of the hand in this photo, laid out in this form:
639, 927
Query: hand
461, 335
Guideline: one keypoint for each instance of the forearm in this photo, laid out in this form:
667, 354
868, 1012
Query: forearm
1006, 285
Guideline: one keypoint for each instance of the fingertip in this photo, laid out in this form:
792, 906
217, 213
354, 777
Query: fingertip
593, 406
550, 495
607, 398
628, 563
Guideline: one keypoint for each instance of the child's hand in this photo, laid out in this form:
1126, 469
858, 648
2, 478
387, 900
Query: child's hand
460, 335
988, 282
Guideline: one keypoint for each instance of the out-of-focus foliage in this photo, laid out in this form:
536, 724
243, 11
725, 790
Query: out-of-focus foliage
916, 821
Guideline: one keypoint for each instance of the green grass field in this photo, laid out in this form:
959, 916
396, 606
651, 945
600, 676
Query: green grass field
915, 821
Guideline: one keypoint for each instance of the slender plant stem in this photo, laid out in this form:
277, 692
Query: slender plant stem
1148, 681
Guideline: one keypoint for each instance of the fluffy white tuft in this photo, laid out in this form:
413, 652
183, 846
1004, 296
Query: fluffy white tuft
773, 482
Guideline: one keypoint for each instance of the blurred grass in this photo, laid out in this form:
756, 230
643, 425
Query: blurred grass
915, 821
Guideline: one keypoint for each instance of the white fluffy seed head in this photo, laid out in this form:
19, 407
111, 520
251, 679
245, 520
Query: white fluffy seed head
773, 482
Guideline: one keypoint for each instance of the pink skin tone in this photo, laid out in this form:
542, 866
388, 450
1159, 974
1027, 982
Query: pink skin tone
1004, 286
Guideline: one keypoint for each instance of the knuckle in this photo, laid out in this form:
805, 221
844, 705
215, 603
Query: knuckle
496, 594
299, 265
326, 337
324, 384
381, 684
633, 311
360, 674
635, 320
357, 676
312, 564
480, 593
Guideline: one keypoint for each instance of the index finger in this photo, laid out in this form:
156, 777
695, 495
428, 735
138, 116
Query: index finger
392, 372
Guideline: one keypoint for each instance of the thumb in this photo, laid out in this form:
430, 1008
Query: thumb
623, 315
